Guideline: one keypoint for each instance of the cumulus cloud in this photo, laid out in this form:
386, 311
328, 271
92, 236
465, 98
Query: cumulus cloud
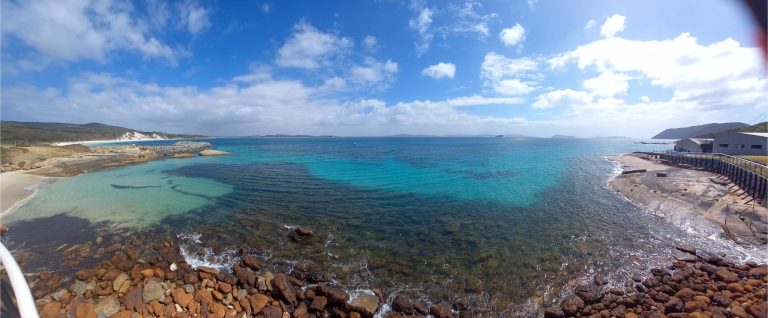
440, 70
607, 84
253, 103
513, 87
720, 75
708, 83
373, 72
590, 24
613, 24
310, 48
566, 97
80, 30
509, 76
512, 36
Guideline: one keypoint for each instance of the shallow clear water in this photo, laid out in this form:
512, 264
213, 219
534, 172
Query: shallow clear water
518, 219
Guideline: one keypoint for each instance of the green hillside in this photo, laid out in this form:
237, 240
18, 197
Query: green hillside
36, 132
760, 127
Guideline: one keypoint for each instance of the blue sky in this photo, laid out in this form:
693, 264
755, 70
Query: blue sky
585, 68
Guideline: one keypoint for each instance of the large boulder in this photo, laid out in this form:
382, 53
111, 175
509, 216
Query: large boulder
364, 303
283, 286
589, 293
571, 305
402, 304
335, 295
107, 307
153, 291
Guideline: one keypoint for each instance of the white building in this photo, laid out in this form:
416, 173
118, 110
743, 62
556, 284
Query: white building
742, 143
694, 145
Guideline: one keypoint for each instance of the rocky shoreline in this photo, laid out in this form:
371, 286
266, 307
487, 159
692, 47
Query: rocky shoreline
137, 279
135, 283
696, 284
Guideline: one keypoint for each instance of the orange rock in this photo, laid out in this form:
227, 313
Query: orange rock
85, 310
224, 287
51, 310
157, 308
181, 297
148, 272
123, 314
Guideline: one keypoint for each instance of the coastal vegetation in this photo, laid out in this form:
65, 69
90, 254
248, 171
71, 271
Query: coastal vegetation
698, 130
27, 133
758, 128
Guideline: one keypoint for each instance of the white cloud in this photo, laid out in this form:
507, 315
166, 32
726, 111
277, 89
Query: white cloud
421, 24
513, 87
720, 75
158, 14
645, 99
72, 30
370, 43
373, 72
590, 24
194, 17
613, 24
607, 84
567, 97
468, 20
512, 36
509, 76
309, 48
440, 70
252, 104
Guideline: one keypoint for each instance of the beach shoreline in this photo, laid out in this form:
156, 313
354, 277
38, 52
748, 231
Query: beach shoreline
18, 187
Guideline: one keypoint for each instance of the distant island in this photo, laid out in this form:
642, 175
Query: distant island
39, 132
294, 136
563, 137
699, 130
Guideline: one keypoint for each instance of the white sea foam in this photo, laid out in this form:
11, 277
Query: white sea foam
189, 245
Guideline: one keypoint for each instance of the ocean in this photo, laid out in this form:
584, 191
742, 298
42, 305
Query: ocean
508, 223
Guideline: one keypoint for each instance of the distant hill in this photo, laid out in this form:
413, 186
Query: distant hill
761, 127
563, 137
695, 131
32, 132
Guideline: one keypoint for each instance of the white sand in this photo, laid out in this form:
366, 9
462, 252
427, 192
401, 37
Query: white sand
17, 187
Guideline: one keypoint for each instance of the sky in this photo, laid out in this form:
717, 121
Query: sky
373, 68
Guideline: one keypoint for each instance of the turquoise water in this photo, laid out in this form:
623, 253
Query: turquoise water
134, 196
520, 218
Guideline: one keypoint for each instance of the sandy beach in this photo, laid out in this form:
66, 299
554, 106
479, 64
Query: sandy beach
695, 200
15, 188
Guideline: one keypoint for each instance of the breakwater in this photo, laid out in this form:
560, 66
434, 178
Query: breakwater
178, 148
